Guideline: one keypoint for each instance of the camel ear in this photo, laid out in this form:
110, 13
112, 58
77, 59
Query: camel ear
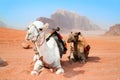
79, 33
58, 29
71, 32
46, 25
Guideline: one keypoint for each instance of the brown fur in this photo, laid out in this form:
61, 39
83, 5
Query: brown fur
79, 49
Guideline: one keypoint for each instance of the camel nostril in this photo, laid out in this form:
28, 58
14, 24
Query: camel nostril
27, 39
68, 41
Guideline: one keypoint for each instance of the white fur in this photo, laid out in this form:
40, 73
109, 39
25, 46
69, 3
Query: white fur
49, 50
37, 67
38, 24
36, 57
59, 71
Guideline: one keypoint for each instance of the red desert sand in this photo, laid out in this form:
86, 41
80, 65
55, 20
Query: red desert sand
103, 62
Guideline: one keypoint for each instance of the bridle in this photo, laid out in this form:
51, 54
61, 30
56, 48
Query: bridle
38, 36
38, 39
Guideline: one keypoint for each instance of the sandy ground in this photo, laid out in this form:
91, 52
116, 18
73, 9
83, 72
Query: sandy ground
103, 62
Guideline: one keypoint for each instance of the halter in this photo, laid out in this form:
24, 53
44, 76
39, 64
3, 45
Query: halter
37, 40
38, 36
34, 41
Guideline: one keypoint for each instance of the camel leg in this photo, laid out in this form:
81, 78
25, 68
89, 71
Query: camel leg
37, 67
86, 51
59, 69
81, 55
71, 58
83, 58
36, 57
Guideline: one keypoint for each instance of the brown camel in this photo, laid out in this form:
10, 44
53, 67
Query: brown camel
79, 48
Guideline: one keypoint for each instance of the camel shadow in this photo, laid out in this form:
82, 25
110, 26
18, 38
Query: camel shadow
3, 63
74, 69
94, 59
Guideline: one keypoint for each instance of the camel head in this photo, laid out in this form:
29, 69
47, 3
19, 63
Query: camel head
73, 37
34, 30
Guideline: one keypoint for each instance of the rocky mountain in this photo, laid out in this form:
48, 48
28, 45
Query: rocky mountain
72, 20
114, 30
67, 21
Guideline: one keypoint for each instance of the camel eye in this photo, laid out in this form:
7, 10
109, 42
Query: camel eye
28, 28
40, 29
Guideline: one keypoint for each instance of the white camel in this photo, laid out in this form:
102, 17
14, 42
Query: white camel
48, 51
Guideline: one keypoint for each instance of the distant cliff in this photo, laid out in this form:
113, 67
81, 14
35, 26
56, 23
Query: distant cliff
69, 20
72, 20
114, 30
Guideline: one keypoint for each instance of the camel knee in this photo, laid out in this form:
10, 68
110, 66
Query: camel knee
60, 70
37, 67
36, 57
83, 58
86, 50
71, 58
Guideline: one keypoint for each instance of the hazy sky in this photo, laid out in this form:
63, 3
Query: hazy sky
19, 13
